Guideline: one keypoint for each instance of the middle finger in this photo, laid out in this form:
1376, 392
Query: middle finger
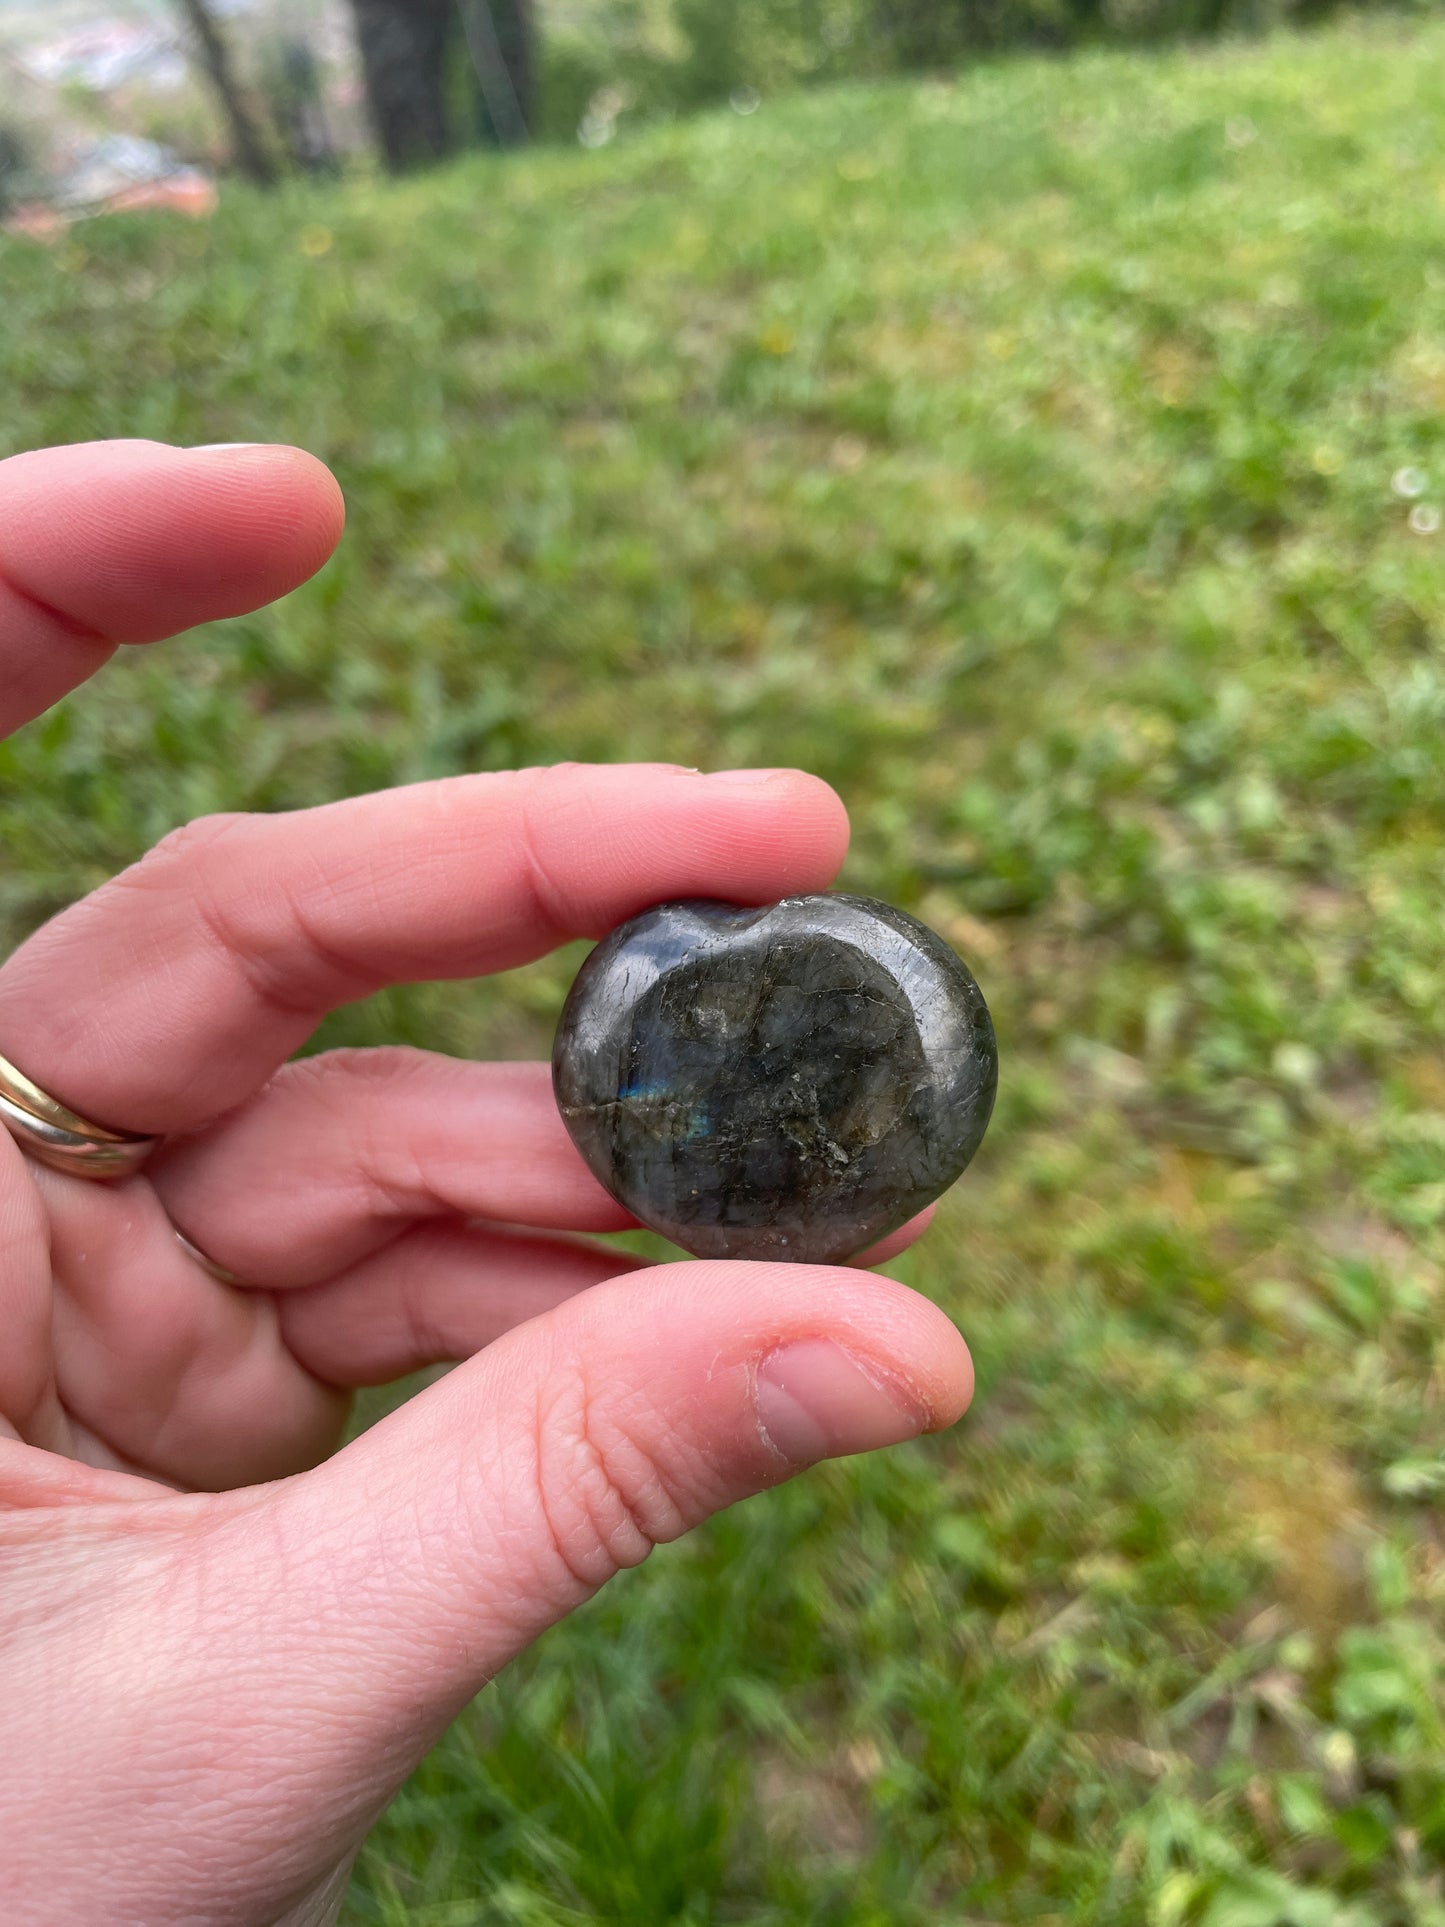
173, 993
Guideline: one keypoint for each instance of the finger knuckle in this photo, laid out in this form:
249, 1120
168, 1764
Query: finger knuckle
173, 863
358, 1092
250, 911
603, 1494
340, 1073
537, 797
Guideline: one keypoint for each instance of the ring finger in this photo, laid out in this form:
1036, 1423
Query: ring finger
341, 1153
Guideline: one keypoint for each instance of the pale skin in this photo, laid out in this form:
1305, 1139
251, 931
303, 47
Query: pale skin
224, 1642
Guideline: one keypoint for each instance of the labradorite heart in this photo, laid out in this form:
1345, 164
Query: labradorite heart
792, 1082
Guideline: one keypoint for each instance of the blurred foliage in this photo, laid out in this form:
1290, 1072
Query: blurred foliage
1055, 461
606, 59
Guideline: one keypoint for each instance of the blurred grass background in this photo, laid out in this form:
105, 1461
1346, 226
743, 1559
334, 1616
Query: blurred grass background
1050, 459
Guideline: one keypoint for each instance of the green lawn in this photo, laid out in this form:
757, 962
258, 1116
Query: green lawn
1051, 461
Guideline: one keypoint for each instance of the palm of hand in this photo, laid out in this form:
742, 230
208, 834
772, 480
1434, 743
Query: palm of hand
224, 1649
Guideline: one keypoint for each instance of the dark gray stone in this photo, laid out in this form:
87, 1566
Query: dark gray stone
792, 1082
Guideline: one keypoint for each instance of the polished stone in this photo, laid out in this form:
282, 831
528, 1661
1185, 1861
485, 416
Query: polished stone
791, 1082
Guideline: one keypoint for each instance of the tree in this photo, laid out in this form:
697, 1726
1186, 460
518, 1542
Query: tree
15, 165
403, 46
296, 96
251, 154
409, 54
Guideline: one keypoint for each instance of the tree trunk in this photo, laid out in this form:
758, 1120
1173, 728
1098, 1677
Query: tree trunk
14, 165
403, 46
249, 148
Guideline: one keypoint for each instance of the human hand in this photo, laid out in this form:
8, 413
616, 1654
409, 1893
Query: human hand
222, 1650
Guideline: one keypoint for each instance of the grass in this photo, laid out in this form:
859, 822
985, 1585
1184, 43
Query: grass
1050, 460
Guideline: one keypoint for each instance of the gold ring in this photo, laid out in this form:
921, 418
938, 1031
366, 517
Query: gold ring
53, 1134
199, 1257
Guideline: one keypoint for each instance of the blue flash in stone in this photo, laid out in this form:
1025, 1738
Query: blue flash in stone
792, 1082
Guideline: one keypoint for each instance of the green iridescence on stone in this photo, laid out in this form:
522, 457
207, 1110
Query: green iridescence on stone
792, 1082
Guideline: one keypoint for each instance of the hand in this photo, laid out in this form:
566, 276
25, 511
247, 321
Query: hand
222, 1650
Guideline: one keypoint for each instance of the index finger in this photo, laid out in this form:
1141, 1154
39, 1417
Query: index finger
174, 992
105, 543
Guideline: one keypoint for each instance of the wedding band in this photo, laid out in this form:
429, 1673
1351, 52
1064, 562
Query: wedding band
208, 1265
53, 1134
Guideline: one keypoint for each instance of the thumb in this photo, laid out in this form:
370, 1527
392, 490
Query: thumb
419, 1560
269, 1664
508, 1493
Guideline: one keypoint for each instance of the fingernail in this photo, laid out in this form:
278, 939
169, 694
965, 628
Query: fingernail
815, 1401
747, 775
